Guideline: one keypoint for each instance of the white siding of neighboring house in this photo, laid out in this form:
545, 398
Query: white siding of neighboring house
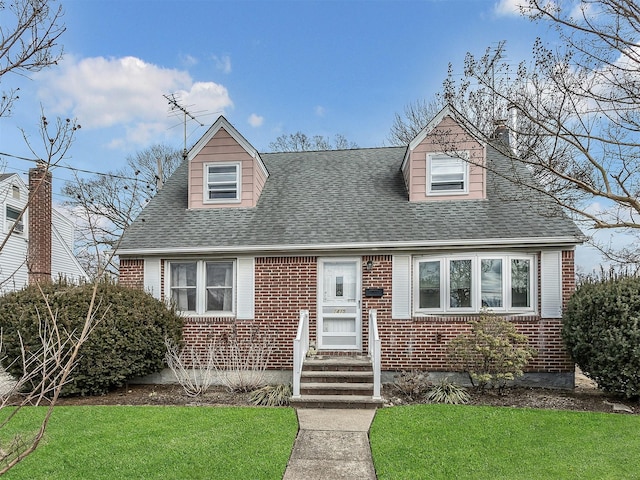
63, 261
13, 268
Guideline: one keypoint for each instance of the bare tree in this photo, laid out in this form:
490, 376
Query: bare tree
29, 32
415, 117
573, 111
477, 103
53, 361
106, 204
45, 372
300, 142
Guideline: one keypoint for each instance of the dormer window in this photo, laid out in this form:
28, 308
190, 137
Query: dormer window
222, 182
448, 175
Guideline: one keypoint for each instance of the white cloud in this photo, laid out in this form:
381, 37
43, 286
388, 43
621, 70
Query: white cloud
125, 92
509, 7
320, 110
223, 63
255, 120
189, 60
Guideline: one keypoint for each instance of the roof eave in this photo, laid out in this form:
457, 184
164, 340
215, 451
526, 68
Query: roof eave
546, 242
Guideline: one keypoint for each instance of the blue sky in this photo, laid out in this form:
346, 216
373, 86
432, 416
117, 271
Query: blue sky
271, 67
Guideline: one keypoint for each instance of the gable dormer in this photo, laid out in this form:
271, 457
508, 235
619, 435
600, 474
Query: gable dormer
445, 161
224, 169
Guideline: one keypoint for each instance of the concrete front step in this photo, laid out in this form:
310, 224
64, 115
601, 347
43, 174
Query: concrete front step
326, 388
345, 364
335, 401
335, 376
336, 382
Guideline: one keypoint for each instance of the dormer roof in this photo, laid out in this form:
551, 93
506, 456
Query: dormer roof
447, 111
223, 123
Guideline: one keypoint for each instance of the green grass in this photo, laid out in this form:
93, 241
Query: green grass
159, 442
466, 442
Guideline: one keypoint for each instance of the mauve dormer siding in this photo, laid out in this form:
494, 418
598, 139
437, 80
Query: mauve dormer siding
446, 135
223, 148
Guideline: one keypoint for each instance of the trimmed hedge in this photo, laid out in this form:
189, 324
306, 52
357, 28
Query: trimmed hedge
128, 340
602, 333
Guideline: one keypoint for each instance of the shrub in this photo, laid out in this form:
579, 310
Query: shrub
493, 353
271, 396
447, 392
193, 370
240, 361
128, 339
601, 330
413, 385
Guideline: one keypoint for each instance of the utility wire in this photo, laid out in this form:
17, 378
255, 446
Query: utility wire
73, 169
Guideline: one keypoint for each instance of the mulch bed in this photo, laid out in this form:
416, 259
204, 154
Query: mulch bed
580, 399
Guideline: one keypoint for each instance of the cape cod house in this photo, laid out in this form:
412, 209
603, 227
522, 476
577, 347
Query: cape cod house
382, 253
41, 240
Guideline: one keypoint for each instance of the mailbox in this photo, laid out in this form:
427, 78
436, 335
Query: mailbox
373, 292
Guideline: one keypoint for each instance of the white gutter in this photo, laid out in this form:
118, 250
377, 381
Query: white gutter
423, 245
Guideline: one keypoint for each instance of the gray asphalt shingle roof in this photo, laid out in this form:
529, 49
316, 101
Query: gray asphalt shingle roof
341, 197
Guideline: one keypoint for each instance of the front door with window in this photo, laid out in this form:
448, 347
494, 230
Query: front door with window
339, 319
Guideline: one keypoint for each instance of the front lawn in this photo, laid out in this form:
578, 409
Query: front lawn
159, 442
469, 442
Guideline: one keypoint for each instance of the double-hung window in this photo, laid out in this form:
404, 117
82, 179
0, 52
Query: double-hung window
203, 286
447, 174
12, 214
222, 182
461, 284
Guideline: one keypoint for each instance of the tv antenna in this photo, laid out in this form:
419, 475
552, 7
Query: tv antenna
175, 107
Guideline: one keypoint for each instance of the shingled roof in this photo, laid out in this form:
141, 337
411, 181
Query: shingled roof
346, 199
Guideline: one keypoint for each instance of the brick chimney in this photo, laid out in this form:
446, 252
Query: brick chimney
39, 253
501, 132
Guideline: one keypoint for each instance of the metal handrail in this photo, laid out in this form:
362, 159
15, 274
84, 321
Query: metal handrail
300, 349
375, 352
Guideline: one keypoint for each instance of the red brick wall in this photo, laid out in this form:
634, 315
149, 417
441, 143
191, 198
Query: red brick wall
283, 287
421, 343
286, 285
132, 272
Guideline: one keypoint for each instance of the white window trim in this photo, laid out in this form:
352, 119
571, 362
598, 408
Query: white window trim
6, 226
205, 182
462, 155
201, 286
476, 306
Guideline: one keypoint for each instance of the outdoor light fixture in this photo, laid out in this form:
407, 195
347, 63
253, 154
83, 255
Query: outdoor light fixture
369, 265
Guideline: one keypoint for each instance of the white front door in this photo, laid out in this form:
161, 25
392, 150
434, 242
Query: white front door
339, 319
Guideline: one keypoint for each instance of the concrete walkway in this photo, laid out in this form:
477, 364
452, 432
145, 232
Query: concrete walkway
332, 445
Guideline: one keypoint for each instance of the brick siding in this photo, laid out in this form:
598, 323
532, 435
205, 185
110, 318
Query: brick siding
40, 217
132, 272
286, 285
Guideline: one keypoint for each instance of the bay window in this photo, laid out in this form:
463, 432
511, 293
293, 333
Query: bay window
202, 286
469, 283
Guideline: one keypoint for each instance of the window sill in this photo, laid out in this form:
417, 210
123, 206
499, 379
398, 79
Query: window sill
473, 313
447, 193
193, 314
221, 202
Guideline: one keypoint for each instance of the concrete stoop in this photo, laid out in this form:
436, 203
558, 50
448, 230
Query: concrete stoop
336, 382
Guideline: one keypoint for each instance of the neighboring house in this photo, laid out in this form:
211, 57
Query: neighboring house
425, 239
41, 244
